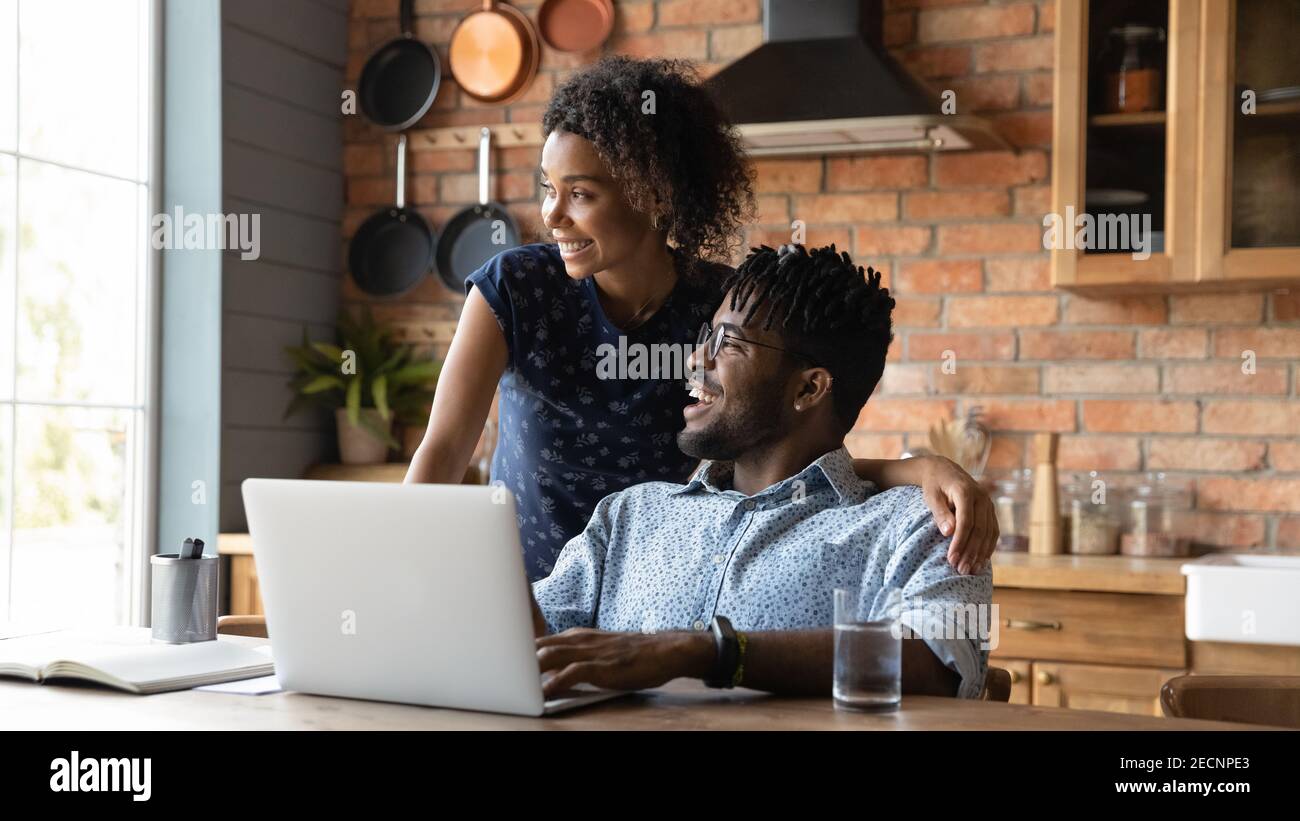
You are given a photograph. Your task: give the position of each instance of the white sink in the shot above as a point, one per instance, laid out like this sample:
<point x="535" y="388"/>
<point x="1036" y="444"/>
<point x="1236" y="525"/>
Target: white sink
<point x="1244" y="599"/>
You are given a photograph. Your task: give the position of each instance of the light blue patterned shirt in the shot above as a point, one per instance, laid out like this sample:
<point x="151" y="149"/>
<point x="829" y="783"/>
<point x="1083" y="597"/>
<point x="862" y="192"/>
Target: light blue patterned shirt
<point x="661" y="556"/>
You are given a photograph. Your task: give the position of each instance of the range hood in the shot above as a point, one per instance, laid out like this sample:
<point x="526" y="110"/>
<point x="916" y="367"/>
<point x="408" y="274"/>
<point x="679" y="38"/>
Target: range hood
<point x="823" y="83"/>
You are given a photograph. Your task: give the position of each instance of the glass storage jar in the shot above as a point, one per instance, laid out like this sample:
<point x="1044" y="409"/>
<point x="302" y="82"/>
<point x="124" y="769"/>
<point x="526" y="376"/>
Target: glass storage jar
<point x="1158" y="518"/>
<point x="1094" y="518"/>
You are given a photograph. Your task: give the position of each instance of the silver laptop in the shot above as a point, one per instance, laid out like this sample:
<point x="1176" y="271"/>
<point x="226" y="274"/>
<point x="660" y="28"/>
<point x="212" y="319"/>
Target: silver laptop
<point x="407" y="593"/>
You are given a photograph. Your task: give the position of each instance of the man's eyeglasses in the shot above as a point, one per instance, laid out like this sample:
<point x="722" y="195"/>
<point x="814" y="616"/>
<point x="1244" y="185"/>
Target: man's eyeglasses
<point x="714" y="341"/>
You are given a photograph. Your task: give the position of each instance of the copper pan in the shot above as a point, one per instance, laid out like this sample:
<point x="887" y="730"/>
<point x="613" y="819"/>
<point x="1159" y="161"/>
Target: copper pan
<point x="495" y="52"/>
<point x="575" y="25"/>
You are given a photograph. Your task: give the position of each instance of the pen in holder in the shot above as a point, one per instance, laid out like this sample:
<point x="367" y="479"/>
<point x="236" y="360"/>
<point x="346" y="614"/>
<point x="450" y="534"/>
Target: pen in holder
<point x="184" y="596"/>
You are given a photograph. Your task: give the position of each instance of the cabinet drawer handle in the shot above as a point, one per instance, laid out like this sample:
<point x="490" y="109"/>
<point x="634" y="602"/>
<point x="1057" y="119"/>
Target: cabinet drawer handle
<point x="1045" y="677"/>
<point x="1026" y="624"/>
<point x="1015" y="676"/>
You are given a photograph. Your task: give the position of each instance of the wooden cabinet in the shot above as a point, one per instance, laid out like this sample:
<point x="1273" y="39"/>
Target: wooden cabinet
<point x="1203" y="174"/>
<point x="1089" y="650"/>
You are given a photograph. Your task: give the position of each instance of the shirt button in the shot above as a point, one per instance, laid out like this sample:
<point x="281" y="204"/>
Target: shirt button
<point x="698" y="625"/>
<point x="750" y="505"/>
<point x="717" y="558"/>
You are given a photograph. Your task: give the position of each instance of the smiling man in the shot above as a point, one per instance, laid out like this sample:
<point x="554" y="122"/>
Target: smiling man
<point x="729" y="577"/>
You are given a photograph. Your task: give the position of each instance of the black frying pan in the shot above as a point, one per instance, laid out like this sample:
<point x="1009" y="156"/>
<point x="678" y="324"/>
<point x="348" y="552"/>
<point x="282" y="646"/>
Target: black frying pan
<point x="478" y="233"/>
<point x="400" y="80"/>
<point x="393" y="248"/>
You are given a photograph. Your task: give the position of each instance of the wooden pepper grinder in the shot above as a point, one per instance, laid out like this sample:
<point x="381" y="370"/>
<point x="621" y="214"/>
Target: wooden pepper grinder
<point x="1045" y="508"/>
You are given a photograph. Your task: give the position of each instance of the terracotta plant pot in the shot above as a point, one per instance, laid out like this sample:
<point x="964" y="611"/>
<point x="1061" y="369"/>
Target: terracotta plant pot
<point x="358" y="446"/>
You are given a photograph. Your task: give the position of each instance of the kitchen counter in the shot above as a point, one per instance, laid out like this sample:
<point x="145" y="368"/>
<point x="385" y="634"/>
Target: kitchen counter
<point x="680" y="705"/>
<point x="1102" y="574"/>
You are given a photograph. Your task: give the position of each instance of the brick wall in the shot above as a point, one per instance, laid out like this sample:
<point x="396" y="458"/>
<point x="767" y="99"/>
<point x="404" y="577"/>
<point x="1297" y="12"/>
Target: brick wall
<point x="1131" y="384"/>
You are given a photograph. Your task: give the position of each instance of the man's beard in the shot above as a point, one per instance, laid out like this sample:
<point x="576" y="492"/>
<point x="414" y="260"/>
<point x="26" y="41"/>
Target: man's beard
<point x="749" y="423"/>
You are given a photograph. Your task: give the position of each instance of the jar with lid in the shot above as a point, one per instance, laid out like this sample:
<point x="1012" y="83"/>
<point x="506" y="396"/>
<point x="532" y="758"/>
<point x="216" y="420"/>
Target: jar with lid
<point x="1011" y="502"/>
<point x="1158" y="517"/>
<point x="1132" y="63"/>
<point x="1093" y="517"/>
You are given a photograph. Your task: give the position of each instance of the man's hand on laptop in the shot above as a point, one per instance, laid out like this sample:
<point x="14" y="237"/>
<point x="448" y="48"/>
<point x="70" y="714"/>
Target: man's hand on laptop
<point x="622" y="661"/>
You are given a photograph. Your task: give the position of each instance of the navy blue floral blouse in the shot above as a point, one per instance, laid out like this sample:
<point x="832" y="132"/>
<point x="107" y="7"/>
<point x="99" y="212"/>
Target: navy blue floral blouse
<point x="583" y="413"/>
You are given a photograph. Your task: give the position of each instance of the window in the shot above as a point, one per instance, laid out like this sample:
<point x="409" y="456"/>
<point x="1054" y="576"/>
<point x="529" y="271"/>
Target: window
<point x="76" y="317"/>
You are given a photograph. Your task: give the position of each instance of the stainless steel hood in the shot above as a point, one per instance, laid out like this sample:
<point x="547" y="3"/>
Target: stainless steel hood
<point x="823" y="83"/>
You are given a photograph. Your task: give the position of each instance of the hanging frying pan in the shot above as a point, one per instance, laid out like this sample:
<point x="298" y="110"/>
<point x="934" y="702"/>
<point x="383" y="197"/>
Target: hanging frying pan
<point x="478" y="233"/>
<point x="392" y="249"/>
<point x="400" y="81"/>
<point x="575" y="25"/>
<point x="495" y="52"/>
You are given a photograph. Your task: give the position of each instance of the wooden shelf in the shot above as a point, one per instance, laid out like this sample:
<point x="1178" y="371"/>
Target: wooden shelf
<point x="1281" y="109"/>
<point x="1134" y="118"/>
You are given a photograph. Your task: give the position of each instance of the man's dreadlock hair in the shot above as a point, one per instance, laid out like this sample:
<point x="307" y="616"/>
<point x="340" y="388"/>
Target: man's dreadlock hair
<point x="826" y="307"/>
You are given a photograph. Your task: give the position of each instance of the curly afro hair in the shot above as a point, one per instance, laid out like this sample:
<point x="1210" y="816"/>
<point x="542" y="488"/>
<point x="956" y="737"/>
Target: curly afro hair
<point x="683" y="163"/>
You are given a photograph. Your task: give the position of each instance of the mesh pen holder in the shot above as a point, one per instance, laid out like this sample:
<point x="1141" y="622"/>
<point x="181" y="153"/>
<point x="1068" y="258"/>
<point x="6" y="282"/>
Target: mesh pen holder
<point x="184" y="598"/>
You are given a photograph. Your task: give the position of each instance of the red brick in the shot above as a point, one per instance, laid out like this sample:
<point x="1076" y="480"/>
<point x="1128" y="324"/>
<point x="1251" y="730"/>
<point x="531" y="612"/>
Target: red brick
<point x="1224" y="493"/>
<point x="1047" y="16"/>
<point x="989" y="238"/>
<point x="369" y="191"/>
<point x="1286" y="306"/>
<point x="985" y="168"/>
<point x="732" y="42"/>
<point x="1038" y="89"/>
<point x="873" y="446"/>
<point x="1059" y="345"/>
<point x="701" y="12"/>
<point x="1019" y="55"/>
<point x="1059" y="379"/>
<point x="899" y="5"/>
<point x="916" y="312"/>
<point x="936" y="205"/>
<point x="904" y="414"/>
<point x="1001" y="311"/>
<point x="1138" y="310"/>
<point x="964" y="346"/>
<point x="1216" y="308"/>
<point x="1204" y="453"/>
<point x="1288" y="532"/>
<point x="1089" y="452"/>
<point x="814" y="236"/>
<point x="899" y="29"/>
<point x="631" y="18"/>
<point x="939" y="276"/>
<point x="772" y="208"/>
<point x="1025" y="129"/>
<point x="1284" y="455"/>
<point x="1032" y="200"/>
<point x="1267" y="343"/>
<point x="868" y="173"/>
<point x="1131" y="416"/>
<point x="1225" y="378"/>
<point x="1007" y="452"/>
<point x="935" y="62"/>
<point x="980" y="379"/>
<point x="1173" y="343"/>
<point x="1227" y="529"/>
<point x="366" y="159"/>
<point x="905" y="379"/>
<point x="1018" y="274"/>
<point x="1272" y="417"/>
<point x="1029" y="414"/>
<point x="975" y="23"/>
<point x="812" y="208"/>
<point x="986" y="93"/>
<point x="787" y="175"/>
<point x="872" y="240"/>
<point x="686" y="43"/>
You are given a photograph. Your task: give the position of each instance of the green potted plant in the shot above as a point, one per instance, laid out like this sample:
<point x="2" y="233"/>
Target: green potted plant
<point x="367" y="379"/>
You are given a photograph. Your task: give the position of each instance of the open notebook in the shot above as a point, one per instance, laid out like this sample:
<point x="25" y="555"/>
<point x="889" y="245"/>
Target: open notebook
<point x="127" y="658"/>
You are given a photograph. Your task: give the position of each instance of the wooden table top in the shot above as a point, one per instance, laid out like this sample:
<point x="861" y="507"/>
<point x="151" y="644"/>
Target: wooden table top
<point x="679" y="705"/>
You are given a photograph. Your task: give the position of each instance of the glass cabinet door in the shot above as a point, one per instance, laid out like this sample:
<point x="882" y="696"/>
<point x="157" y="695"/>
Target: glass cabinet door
<point x="1251" y="151"/>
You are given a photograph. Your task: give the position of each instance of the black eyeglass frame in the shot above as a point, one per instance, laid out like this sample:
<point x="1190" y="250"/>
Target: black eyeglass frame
<point x="728" y="331"/>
